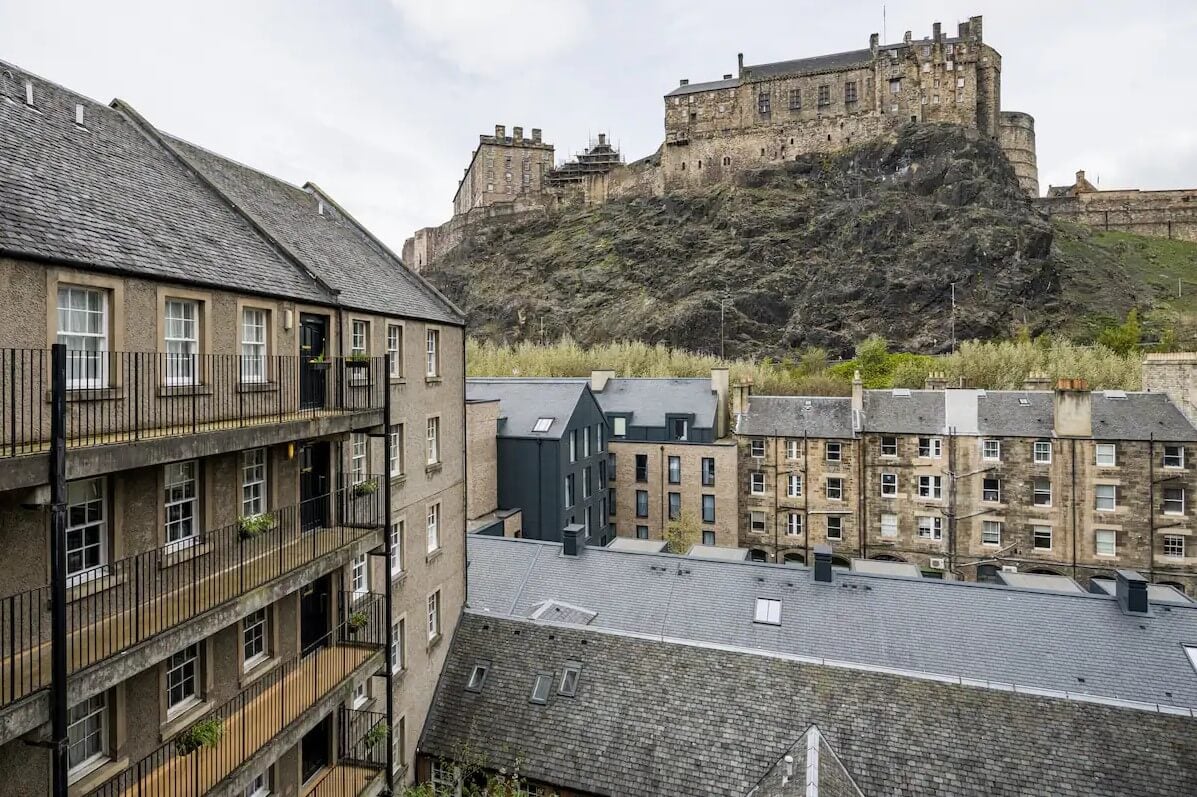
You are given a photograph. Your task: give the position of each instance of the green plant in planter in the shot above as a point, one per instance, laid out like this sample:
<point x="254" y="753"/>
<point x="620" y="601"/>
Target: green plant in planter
<point x="377" y="734"/>
<point x="357" y="357"/>
<point x="357" y="621"/>
<point x="205" y="733"/>
<point x="253" y="525"/>
<point x="368" y="487"/>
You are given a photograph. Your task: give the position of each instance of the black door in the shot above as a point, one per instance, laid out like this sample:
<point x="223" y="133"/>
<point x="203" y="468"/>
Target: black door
<point x="313" y="374"/>
<point x="315" y="749"/>
<point x="315" y="503"/>
<point x="315" y="611"/>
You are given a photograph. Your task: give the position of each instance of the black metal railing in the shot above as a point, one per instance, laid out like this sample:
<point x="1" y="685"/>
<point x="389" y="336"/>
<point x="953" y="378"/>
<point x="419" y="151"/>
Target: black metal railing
<point x="364" y="737"/>
<point x="345" y="780"/>
<point x="121" y="397"/>
<point x="128" y="601"/>
<point x="255" y="716"/>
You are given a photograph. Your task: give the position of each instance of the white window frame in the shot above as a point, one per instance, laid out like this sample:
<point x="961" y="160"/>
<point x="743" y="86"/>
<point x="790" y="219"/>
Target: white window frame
<point x="932" y="529"/>
<point x="256" y="624"/>
<point x="991" y="533"/>
<point x="181" y="339"/>
<point x="359" y="450"/>
<point x="934" y="448"/>
<point x="1043" y="452"/>
<point x="434" y="615"/>
<point x="90" y="717"/>
<point x="253" y="481"/>
<point x="1178" y="460"/>
<point x="398" y="529"/>
<point x="432" y="363"/>
<point x="755" y="446"/>
<point x="767" y="611"/>
<point x="433" y="527"/>
<point x="359" y="575"/>
<point x="399" y="645"/>
<point x="1176" y="542"/>
<point x="1098" y="535"/>
<point x="1112" y="498"/>
<point x="434" y="440"/>
<point x="86" y="346"/>
<point x="756" y="483"/>
<point x="794" y="524"/>
<point x="1037" y="530"/>
<point x="889" y="485"/>
<point x="253" y="345"/>
<point x="395" y="350"/>
<point x="188" y="659"/>
<point x="1165" y="501"/>
<point x="838" y="493"/>
<point x="893" y="448"/>
<point x="177" y="477"/>
<point x="930" y="488"/>
<point x="991" y="450"/>
<point x="261" y="784"/>
<point x="889" y="525"/>
<point x="792" y="450"/>
<point x="838" y="534"/>
<point x="397" y="458"/>
<point x="753" y="518"/>
<point x="1110" y="452"/>
<point x="542" y="424"/>
<point x="359" y="336"/>
<point x="94" y="520"/>
<point x="1037" y="493"/>
<point x="997" y="491"/>
<point x="833" y="451"/>
<point x="794" y="485"/>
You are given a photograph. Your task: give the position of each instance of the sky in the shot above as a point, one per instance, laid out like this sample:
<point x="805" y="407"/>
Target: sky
<point x="380" y="102"/>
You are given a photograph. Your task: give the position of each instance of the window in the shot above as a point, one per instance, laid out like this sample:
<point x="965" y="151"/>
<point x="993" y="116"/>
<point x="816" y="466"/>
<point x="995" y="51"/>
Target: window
<point x="895" y="85"/>
<point x="889" y="525"/>
<point x="1042" y="491"/>
<point x="835" y="489"/>
<point x="359" y="337"/>
<point x="87" y="734"/>
<point x="756" y="522"/>
<point x="434" y="527"/>
<point x="675" y="506"/>
<point x="573" y="445"/>
<point x="86" y="530"/>
<point x="586" y="482"/>
<point x="991" y="532"/>
<point x="434" y="615"/>
<point x="540" y="689"/>
<point x="399" y="646"/>
<point x="397" y="530"/>
<point x="679" y="428"/>
<point x="1174" y="456"/>
<point x="850" y="91"/>
<point x="598" y="436"/>
<point x="434" y="441"/>
<point x="708" y="509"/>
<point x="930" y="447"/>
<point x="182" y="505"/>
<point x="1041" y="537"/>
<point x="762" y="103"/>
<point x="361" y="694"/>
<point x="794" y="485"/>
<point x="253" y="482"/>
<point x="1174" y="546"/>
<point x="757" y="448"/>
<point x="642" y="532"/>
<point x="254" y="639"/>
<point x="991" y="490"/>
<point x="1043" y="452"/>
<point x="795" y="99"/>
<point x="708" y="472"/>
<point x="1106" y="542"/>
<point x="585" y="441"/>
<point x="675" y="470"/>
<point x="768" y="611"/>
<point x="182" y="679"/>
<point x="83" y="329"/>
<point x="1106" y="496"/>
<point x="756" y="483"/>
<point x="182" y="341"/>
<point x="619" y="427"/>
<point x="1174" y="500"/>
<point x="358" y="447"/>
<point x="889" y="446"/>
<point x="397" y="458"/>
<point x="889" y="485"/>
<point x="432" y="349"/>
<point x="832" y="452"/>
<point x="931" y="487"/>
<point x="642" y="503"/>
<point x="794" y="523"/>
<point x="542" y="424"/>
<point x="835" y="527"/>
<point x="359" y="575"/>
<point x="569" y="490"/>
<point x="259" y="786"/>
<point x="824" y="95"/>
<point x="792" y="449"/>
<point x="1107" y="455"/>
<point x="930" y="527"/>
<point x="477" y="676"/>
<point x="570" y="674"/>
<point x="253" y="345"/>
<point x="399" y="744"/>
<point x="991" y="450"/>
<point x="395" y="350"/>
<point x="708" y="537"/>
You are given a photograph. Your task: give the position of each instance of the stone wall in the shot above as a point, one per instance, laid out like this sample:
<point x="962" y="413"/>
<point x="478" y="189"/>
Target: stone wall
<point x="432" y="243"/>
<point x="1016" y="134"/>
<point x="503" y="168"/>
<point x="1161" y="214"/>
<point x="1175" y="374"/>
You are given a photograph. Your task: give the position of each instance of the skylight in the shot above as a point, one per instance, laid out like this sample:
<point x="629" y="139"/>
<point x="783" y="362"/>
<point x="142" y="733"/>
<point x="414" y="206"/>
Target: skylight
<point x="478" y="676"/>
<point x="901" y="392"/>
<point x="569" y="679"/>
<point x="1115" y="394"/>
<point x="542" y="424"/>
<point x="1191" y="652"/>
<point x="768" y="611"/>
<point x="1024" y="401"/>
<point x="540" y="689"/>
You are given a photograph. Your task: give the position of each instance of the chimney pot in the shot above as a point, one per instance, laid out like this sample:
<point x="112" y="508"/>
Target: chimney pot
<point x="517" y="133"/>
<point x="29" y="92"/>
<point x="740" y="63"/>
<point x="536" y="135"/>
<point x="602" y="139"/>
<point x="936" y="31"/>
<point x="823" y="563"/>
<point x="684" y="82"/>
<point x="500" y="133"/>
<point x="874" y="39"/>
<point x="599" y="379"/>
<point x="1132" y="592"/>
<point x="573" y="539"/>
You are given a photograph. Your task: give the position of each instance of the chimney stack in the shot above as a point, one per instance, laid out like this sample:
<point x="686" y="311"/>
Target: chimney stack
<point x="517" y="134"/>
<point x="823" y="563"/>
<point x="599" y="379"/>
<point x="536" y="135"/>
<point x="873" y="41"/>
<point x="573" y="539"/>
<point x="1037" y="381"/>
<point x="936" y="380"/>
<point x="500" y="133"/>
<point x="937" y="32"/>
<point x="740" y="63"/>
<point x="906" y="37"/>
<point x="857" y="392"/>
<point x="720" y="382"/>
<point x="1132" y="592"/>
<point x="741" y="394"/>
<point x="602" y="139"/>
<point x="1073" y="408"/>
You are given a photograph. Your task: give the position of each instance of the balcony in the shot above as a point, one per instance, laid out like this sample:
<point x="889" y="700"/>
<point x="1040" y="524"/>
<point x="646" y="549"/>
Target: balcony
<point x="272" y="709"/>
<point x="118" y="398"/>
<point x="130" y="601"/>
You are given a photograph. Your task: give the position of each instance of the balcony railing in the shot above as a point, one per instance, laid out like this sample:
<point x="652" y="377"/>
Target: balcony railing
<point x="123" y="603"/>
<point x="122" y="397"/>
<point x="258" y="714"/>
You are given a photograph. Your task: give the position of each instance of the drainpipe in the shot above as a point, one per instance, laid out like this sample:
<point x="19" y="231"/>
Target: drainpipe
<point x="389" y="598"/>
<point x="664" y="517"/>
<point x="776" y="471"/>
<point x="952" y="500"/>
<point x="540" y="489"/>
<point x="1151" y="508"/>
<point x="58" y="619"/>
<point x="1072" y="467"/>
<point x="805" y="503"/>
<point x="861" y="499"/>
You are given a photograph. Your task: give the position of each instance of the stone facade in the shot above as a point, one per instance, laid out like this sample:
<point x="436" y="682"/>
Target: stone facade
<point x="503" y="168"/>
<point x="1160" y="214"/>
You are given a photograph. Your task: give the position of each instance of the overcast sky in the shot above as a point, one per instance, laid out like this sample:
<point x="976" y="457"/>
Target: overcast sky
<point x="380" y="102"/>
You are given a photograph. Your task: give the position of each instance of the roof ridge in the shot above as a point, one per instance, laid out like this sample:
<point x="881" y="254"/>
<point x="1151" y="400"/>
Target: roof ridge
<point x="11" y="67"/>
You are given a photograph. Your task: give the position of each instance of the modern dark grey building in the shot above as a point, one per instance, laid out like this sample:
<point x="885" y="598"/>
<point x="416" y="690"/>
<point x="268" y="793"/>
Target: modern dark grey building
<point x="552" y="460"/>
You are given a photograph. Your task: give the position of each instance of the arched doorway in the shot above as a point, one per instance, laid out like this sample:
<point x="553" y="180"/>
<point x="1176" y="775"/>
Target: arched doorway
<point x="839" y="561"/>
<point x="792" y="559"/>
<point x="757" y="555"/>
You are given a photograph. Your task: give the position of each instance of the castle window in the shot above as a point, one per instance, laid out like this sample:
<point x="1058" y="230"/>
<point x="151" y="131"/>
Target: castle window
<point x="959" y="82"/>
<point x="683" y="166"/>
<point x="926" y="50"/>
<point x="850" y="91"/>
<point x="762" y="152"/>
<point x="895" y="85"/>
<point x="824" y="95"/>
<point x="726" y="161"/>
<point x="762" y="103"/>
<point x="700" y="164"/>
<point x="795" y="99"/>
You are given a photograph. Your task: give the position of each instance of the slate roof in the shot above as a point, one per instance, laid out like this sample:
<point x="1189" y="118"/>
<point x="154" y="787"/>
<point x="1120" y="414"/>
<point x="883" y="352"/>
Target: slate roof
<point x="920" y="412"/>
<point x="1139" y="417"/>
<point x="710" y="85"/>
<point x="649" y="399"/>
<point x="983" y="632"/>
<point x="791" y="416"/>
<point x="523" y="401"/>
<point x="114" y="194"/>
<point x="666" y="718"/>
<point x="807" y="66"/>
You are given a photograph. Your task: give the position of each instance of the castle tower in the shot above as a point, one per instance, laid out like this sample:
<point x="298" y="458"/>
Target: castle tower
<point x="1016" y="134"/>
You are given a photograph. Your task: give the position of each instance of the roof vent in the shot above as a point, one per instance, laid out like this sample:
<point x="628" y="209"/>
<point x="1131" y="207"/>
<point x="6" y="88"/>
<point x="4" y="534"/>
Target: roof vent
<point x="573" y="539"/>
<point x="320" y="206"/>
<point x="79" y="114"/>
<point x="823" y="563"/>
<point x="1131" y="590"/>
<point x="1115" y="394"/>
<point x="901" y="392"/>
<point x="29" y="92"/>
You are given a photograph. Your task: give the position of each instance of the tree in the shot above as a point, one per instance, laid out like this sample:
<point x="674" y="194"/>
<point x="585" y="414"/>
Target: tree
<point x="1123" y="338"/>
<point x="873" y="361"/>
<point x="681" y="534"/>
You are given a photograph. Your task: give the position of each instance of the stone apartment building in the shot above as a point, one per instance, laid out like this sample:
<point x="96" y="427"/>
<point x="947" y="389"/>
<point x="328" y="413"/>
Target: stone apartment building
<point x="250" y="541"/>
<point x="967" y="483"/>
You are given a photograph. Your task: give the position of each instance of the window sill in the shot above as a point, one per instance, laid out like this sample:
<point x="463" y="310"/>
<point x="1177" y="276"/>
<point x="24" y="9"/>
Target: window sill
<point x="434" y="641"/>
<point x="182" y="717"/>
<point x="397" y="380"/>
<point x="260" y="668"/>
<point x="399" y="481"/>
<point x="83" y="394"/>
<point x="93" y="586"/>
<point x="433" y="555"/>
<point x="181" y="555"/>
<point x="89" y="779"/>
<point x="257" y="387"/>
<point x="167" y="391"/>
<point x="432" y="380"/>
<point x="397" y="578"/>
<point x="433" y="468"/>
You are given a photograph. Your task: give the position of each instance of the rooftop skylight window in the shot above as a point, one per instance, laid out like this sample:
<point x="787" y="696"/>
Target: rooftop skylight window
<point x="540" y="689"/>
<point x="542" y="424"/>
<point x="1116" y="394"/>
<point x="1191" y="652"/>
<point x="478" y="676"/>
<point x="569" y="679"/>
<point x="768" y="611"/>
<point x="1024" y="401"/>
<point x="901" y="392"/>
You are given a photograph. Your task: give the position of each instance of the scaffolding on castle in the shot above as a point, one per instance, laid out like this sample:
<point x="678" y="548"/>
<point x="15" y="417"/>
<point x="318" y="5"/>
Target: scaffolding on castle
<point x="599" y="158"/>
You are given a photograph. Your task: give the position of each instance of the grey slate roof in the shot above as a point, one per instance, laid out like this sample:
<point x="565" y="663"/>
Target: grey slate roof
<point x="648" y="399"/>
<point x="662" y="718"/>
<point x="990" y="633"/>
<point x="710" y="85"/>
<point x="807" y="66"/>
<point x="922" y="412"/>
<point x="523" y="401"/>
<point x="108" y="195"/>
<point x="1139" y="417"/>
<point x="791" y="416"/>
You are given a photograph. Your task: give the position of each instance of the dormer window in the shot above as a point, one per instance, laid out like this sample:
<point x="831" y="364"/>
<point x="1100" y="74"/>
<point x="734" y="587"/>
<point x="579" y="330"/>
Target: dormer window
<point x="768" y="611"/>
<point x="679" y="428"/>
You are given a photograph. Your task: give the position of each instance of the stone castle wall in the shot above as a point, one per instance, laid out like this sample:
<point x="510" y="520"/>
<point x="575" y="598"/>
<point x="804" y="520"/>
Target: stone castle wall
<point x="1161" y="214"/>
<point x="1016" y="134"/>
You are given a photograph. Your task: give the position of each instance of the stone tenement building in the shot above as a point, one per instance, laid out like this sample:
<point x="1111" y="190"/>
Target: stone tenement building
<point x="250" y="543"/>
<point x="773" y="112"/>
<point x="1161" y="214"/>
<point x="972" y="482"/>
